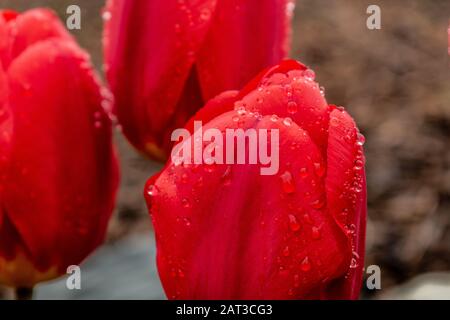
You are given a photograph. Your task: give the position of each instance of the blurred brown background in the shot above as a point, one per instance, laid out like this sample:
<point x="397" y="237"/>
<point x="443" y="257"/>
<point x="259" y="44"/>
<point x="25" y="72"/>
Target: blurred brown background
<point x="396" y="84"/>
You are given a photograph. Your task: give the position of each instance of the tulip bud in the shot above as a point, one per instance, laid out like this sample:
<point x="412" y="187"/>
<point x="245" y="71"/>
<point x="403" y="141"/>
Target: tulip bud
<point x="226" y="231"/>
<point x="58" y="170"/>
<point x="166" y="58"/>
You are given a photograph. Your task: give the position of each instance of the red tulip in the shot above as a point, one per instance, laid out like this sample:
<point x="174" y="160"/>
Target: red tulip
<point x="166" y="58"/>
<point x="58" y="171"/>
<point x="224" y="231"/>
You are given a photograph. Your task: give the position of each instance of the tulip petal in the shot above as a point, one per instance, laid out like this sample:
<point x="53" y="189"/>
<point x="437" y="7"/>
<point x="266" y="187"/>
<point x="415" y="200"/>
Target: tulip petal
<point x="5" y="122"/>
<point x="60" y="131"/>
<point x="147" y="91"/>
<point x="256" y="238"/>
<point x="31" y="27"/>
<point x="286" y="90"/>
<point x="346" y="195"/>
<point x="240" y="29"/>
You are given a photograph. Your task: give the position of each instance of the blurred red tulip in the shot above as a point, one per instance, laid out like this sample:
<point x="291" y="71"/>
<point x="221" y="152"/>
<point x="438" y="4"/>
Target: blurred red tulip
<point x="224" y="231"/>
<point x="58" y="171"/>
<point x="166" y="58"/>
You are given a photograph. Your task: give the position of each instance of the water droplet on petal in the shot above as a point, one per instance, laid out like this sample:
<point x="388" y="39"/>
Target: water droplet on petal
<point x="187" y="222"/>
<point x="354" y="263"/>
<point x="274" y="118"/>
<point x="309" y="75"/>
<point x="293" y="223"/>
<point x="292" y="107"/>
<point x="240" y="108"/>
<point x="303" y="172"/>
<point x="334" y="122"/>
<point x="359" y="164"/>
<point x="185" y="203"/>
<point x="152" y="190"/>
<point x="106" y="15"/>
<point x="305" y="266"/>
<point x="315" y="233"/>
<point x="317" y="204"/>
<point x="205" y="14"/>
<point x="319" y="169"/>
<point x="287" y="182"/>
<point x="322" y="91"/>
<point x="360" y="139"/>
<point x="287" y="122"/>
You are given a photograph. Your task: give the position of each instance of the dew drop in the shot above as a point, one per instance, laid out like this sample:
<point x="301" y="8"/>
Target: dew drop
<point x="334" y="122"/>
<point x="315" y="233"/>
<point x="287" y="182"/>
<point x="287" y="122"/>
<point x="106" y="15"/>
<point x="317" y="204"/>
<point x="205" y="14"/>
<point x="293" y="223"/>
<point x="303" y="172"/>
<point x="350" y="229"/>
<point x="187" y="222"/>
<point x="286" y="251"/>
<point x="319" y="169"/>
<point x="292" y="107"/>
<point x="307" y="218"/>
<point x="354" y="263"/>
<point x="359" y="164"/>
<point x="274" y="118"/>
<point x="309" y="75"/>
<point x="360" y="139"/>
<point x="152" y="190"/>
<point x="241" y="110"/>
<point x="322" y="91"/>
<point x="185" y="203"/>
<point x="305" y="266"/>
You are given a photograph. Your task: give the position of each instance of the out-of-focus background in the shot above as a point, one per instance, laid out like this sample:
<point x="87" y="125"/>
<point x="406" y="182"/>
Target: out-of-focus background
<point x="396" y="84"/>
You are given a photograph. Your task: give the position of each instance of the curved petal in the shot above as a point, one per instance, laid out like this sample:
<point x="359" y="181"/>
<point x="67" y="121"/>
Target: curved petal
<point x="227" y="59"/>
<point x="60" y="131"/>
<point x="272" y="234"/>
<point x="286" y="90"/>
<point x="5" y="124"/>
<point x="346" y="196"/>
<point x="150" y="49"/>
<point x="29" y="28"/>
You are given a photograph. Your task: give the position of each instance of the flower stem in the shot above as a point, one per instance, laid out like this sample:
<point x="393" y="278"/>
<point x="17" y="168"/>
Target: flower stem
<point x="24" y="293"/>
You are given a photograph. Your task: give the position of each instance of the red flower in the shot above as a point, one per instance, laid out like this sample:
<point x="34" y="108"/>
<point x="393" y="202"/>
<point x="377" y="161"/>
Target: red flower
<point x="225" y="231"/>
<point x="58" y="172"/>
<point x="165" y="58"/>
